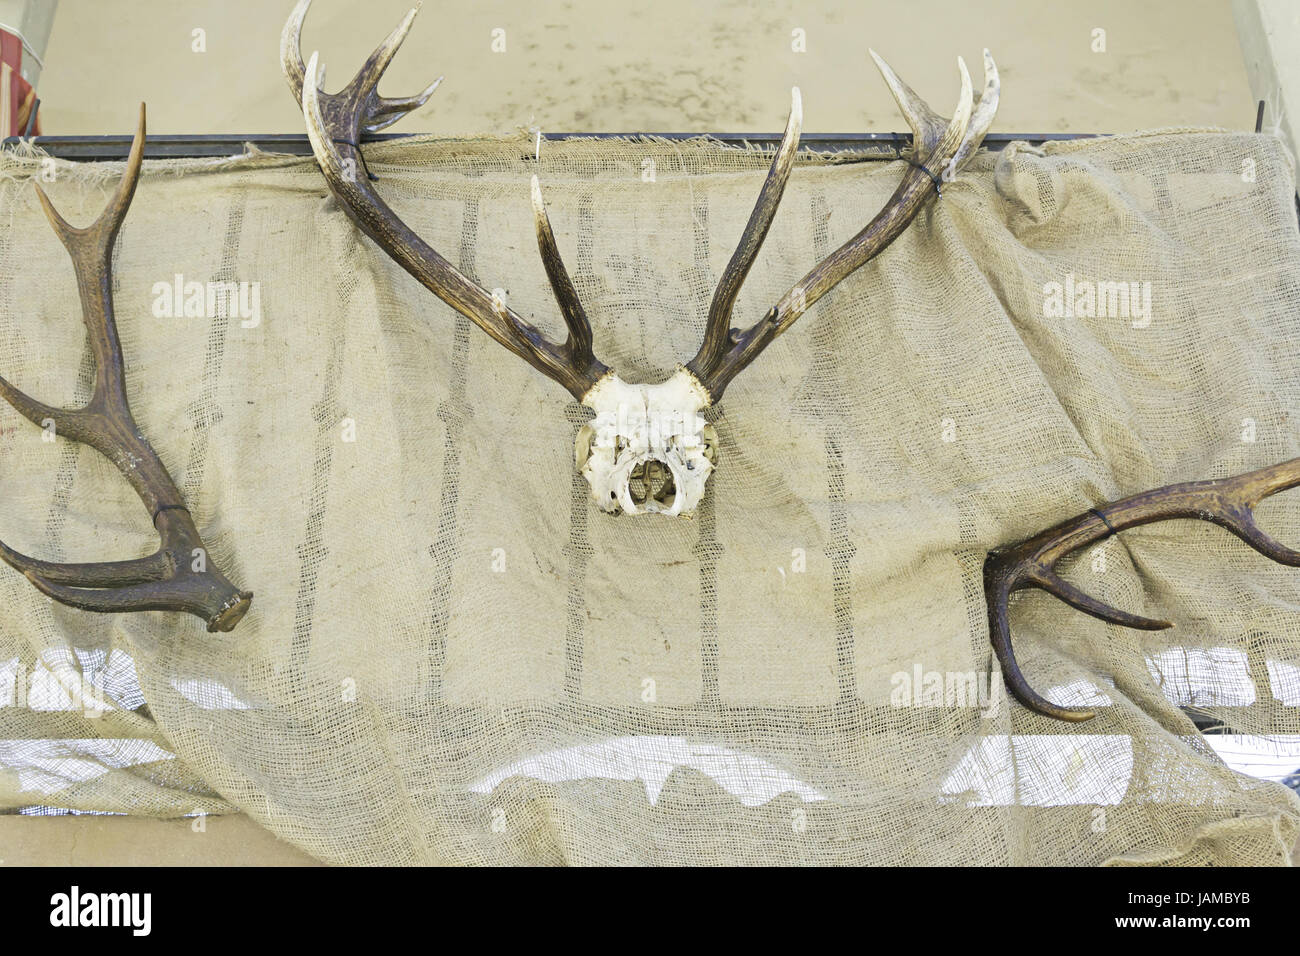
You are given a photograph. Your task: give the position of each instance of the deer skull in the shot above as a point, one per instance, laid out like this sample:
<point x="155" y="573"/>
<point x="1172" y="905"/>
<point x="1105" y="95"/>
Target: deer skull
<point x="648" y="450"/>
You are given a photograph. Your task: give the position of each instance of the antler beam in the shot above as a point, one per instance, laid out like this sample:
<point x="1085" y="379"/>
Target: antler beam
<point x="335" y="122"/>
<point x="180" y="575"/>
<point x="1227" y="502"/>
<point x="939" y="150"/>
<point x="648" y="448"/>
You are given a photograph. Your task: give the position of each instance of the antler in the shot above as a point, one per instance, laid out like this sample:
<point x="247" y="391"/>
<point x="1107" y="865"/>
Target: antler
<point x="939" y="150"/>
<point x="648" y="449"/>
<point x="1227" y="502"/>
<point x="166" y="580"/>
<point x="334" y="121"/>
<point x="334" y="124"/>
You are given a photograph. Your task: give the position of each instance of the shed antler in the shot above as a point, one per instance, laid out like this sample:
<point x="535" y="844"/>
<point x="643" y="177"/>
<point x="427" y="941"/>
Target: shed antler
<point x="648" y="449"/>
<point x="1227" y="502"/>
<point x="180" y="575"/>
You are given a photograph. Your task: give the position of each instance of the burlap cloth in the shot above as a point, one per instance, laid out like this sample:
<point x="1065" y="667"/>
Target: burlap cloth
<point x="453" y="657"/>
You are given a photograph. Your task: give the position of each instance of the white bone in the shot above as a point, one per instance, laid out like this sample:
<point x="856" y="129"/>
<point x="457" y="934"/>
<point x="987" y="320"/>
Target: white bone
<point x="635" y="424"/>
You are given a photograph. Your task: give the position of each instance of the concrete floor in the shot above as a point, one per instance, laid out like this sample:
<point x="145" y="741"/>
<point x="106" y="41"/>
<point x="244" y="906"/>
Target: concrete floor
<point x="593" y="65"/>
<point x="134" y="841"/>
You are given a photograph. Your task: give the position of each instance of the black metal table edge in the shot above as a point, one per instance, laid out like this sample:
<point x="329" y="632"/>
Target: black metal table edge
<point x="116" y="147"/>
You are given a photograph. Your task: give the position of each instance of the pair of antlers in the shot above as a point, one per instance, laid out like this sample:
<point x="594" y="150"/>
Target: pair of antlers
<point x="335" y="122"/>
<point x="180" y="575"/>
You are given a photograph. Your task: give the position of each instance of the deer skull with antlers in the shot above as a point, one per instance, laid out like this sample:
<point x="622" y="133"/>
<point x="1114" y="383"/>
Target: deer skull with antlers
<point x="648" y="449"/>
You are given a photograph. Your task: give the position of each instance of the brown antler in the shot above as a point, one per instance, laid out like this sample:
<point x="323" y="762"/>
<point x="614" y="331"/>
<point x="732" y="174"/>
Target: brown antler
<point x="179" y="576"/>
<point x="334" y="121"/>
<point x="939" y="150"/>
<point x="1227" y="502"/>
<point x="334" y="124"/>
<point x="647" y="449"/>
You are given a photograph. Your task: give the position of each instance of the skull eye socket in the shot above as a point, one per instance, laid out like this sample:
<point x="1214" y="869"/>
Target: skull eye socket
<point x="709" y="439"/>
<point x="582" y="445"/>
<point x="652" y="479"/>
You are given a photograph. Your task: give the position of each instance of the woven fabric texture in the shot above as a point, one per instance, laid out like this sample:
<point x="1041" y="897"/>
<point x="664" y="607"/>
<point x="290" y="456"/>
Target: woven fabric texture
<point x="452" y="656"/>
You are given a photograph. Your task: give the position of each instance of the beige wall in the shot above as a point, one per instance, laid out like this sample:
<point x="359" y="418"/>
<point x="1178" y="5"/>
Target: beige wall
<point x="692" y="65"/>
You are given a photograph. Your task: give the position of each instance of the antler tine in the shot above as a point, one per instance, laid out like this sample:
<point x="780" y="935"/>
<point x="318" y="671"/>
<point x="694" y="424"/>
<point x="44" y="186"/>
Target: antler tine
<point x="179" y="576"/>
<point x="982" y="116"/>
<point x="99" y="574"/>
<point x="575" y="316"/>
<point x="937" y="142"/>
<point x="178" y="593"/>
<point x="333" y="123"/>
<point x="103" y="231"/>
<point x="368" y="111"/>
<point x="390" y="110"/>
<point x="1048" y="580"/>
<point x="997" y="596"/>
<point x="717" y="332"/>
<point x="295" y="70"/>
<point x="1227" y="502"/>
<point x="68" y="422"/>
<point x="91" y="249"/>
<point x="927" y="126"/>
<point x="1243" y="494"/>
<point x="373" y="69"/>
<point x="386" y="112"/>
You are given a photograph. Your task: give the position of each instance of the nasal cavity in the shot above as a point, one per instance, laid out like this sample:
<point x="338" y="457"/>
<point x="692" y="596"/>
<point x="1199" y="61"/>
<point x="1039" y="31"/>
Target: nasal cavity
<point x="652" y="479"/>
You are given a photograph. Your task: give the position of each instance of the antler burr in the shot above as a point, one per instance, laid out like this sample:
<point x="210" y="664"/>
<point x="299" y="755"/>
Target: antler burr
<point x="1227" y="502"/>
<point x="180" y="575"/>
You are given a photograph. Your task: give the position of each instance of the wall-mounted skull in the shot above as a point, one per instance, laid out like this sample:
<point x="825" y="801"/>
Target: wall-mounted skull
<point x="648" y="449"/>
